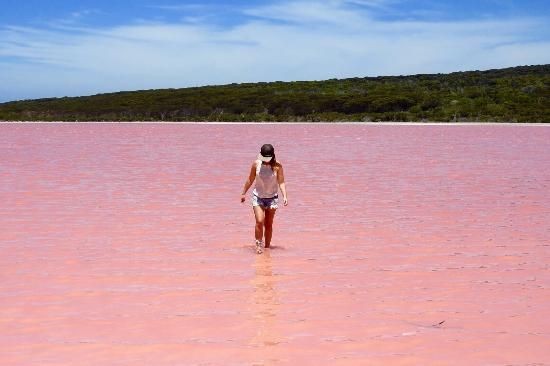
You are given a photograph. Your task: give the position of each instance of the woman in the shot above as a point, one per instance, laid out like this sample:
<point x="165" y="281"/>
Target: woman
<point x="268" y="173"/>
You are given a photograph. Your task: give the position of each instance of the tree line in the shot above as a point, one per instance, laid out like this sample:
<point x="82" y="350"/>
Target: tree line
<point x="518" y="94"/>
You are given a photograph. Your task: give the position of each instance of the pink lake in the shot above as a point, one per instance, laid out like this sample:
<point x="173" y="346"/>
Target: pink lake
<point x="127" y="244"/>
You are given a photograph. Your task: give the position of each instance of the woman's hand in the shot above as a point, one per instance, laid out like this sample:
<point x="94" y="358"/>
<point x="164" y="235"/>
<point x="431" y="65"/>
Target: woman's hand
<point x="285" y="201"/>
<point x="243" y="198"/>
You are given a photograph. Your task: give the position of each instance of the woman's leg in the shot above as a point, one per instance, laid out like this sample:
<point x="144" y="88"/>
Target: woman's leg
<point x="259" y="214"/>
<point x="269" y="216"/>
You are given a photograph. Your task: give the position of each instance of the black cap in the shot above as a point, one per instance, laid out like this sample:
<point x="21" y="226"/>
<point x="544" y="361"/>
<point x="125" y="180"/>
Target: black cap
<point x="267" y="150"/>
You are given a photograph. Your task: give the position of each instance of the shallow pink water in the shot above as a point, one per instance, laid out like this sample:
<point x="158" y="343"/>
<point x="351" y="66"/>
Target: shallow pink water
<point x="126" y="244"/>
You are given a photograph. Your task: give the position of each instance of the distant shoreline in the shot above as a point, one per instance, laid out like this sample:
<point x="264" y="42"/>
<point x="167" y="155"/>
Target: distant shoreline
<point x="291" y="123"/>
<point x="517" y="94"/>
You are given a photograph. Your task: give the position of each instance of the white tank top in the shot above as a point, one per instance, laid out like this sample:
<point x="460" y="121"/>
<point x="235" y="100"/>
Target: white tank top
<point x="266" y="181"/>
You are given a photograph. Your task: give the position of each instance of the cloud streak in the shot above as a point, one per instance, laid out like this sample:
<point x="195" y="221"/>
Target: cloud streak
<point x="297" y="40"/>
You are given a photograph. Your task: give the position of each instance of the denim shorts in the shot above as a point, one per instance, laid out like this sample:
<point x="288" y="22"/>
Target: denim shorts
<point x="272" y="203"/>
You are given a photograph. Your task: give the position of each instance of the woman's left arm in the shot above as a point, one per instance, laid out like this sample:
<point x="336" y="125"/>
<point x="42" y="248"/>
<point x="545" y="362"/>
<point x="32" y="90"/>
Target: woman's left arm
<point x="281" y="181"/>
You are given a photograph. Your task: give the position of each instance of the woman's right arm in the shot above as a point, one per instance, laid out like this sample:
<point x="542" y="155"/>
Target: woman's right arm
<point x="249" y="181"/>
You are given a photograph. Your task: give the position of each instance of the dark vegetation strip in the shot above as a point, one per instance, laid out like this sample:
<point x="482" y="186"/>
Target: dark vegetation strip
<point x="518" y="94"/>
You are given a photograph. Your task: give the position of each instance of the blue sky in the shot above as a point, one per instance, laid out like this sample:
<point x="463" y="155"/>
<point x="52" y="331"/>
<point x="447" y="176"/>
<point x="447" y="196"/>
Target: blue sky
<point x="68" y="48"/>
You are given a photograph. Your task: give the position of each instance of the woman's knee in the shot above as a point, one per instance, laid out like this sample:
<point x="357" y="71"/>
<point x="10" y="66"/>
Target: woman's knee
<point x="268" y="223"/>
<point x="259" y="215"/>
<point x="269" y="216"/>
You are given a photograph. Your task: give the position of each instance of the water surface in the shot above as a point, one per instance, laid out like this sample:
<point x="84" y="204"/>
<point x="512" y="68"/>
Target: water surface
<point x="127" y="244"/>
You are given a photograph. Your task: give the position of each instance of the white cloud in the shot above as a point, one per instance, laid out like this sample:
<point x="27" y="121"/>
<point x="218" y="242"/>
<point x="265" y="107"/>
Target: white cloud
<point x="307" y="12"/>
<point x="380" y="4"/>
<point x="303" y="40"/>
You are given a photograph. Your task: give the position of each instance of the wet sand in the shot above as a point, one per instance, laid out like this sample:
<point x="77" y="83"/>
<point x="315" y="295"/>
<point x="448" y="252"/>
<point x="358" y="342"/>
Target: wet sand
<point x="126" y="244"/>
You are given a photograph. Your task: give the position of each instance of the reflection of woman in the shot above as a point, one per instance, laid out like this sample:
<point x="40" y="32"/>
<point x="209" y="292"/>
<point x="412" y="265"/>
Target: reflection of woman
<point x="269" y="176"/>
<point x="265" y="306"/>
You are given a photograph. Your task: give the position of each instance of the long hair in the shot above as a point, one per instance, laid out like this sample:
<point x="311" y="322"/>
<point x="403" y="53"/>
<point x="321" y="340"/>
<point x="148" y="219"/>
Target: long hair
<point x="273" y="162"/>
